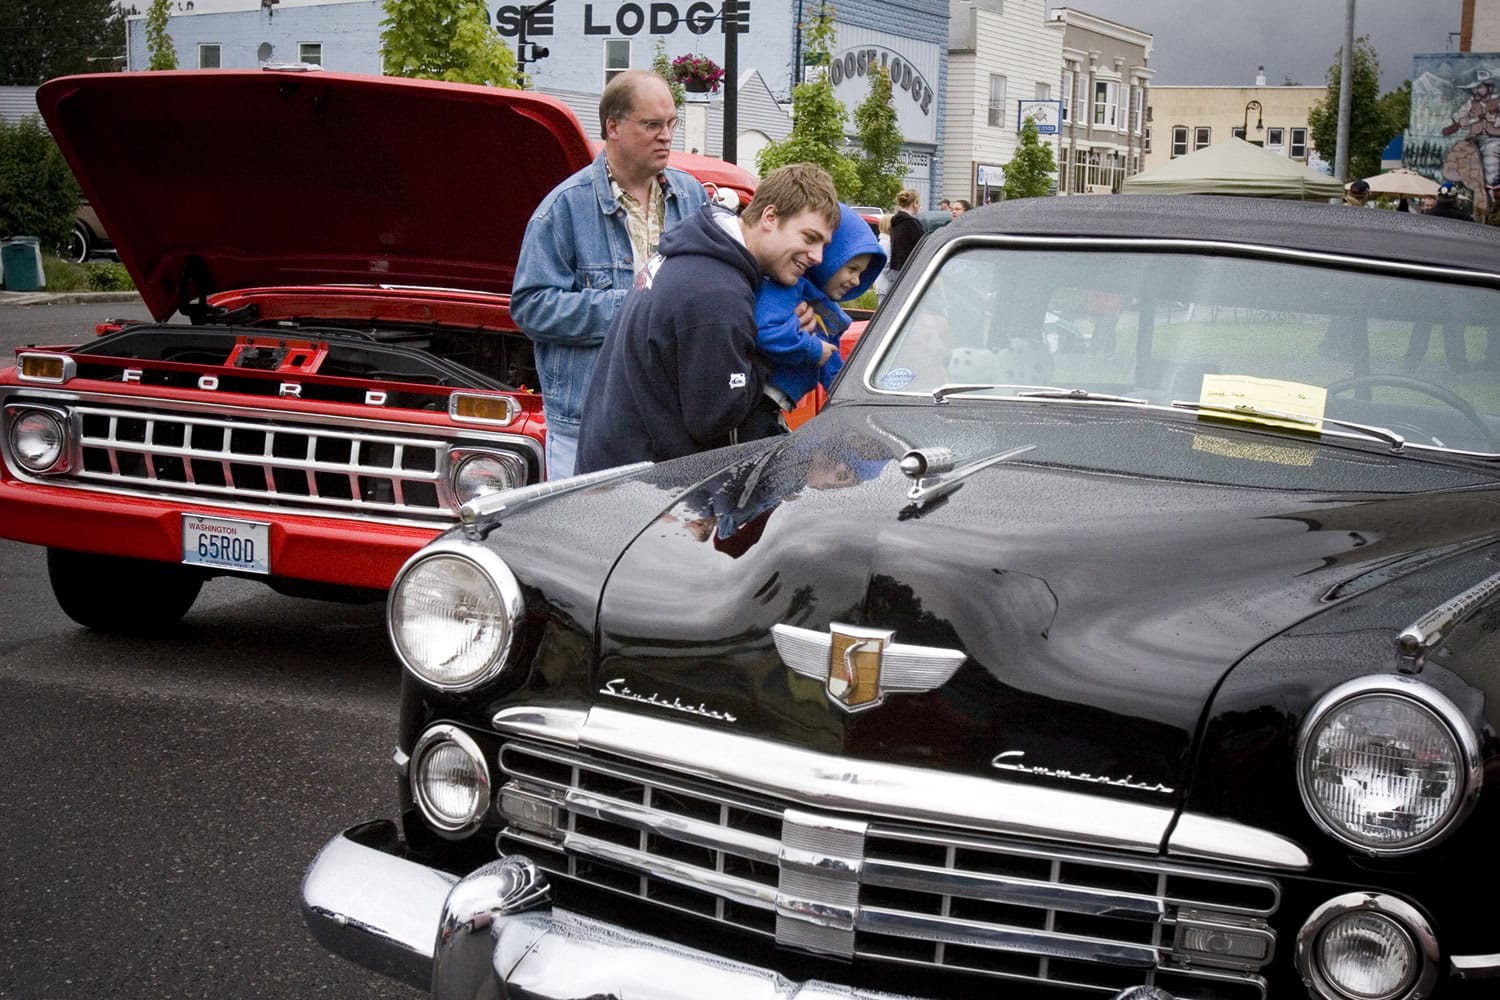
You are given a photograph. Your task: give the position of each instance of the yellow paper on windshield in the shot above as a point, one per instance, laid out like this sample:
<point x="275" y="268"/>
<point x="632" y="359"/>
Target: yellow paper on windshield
<point x="1267" y="401"/>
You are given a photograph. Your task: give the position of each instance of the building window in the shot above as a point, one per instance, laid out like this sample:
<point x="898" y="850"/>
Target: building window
<point x="310" y="53"/>
<point x="1106" y="103"/>
<point x="1179" y="140"/>
<point x="1299" y="143"/>
<point x="1146" y="141"/>
<point x="1238" y="131"/>
<point x="616" y="57"/>
<point x="1137" y="107"/>
<point x="1081" y="101"/>
<point x="1275" y="138"/>
<point x="208" y="55"/>
<point x="1202" y="136"/>
<point x="1044" y="91"/>
<point x="997" y="100"/>
<point x="1067" y="94"/>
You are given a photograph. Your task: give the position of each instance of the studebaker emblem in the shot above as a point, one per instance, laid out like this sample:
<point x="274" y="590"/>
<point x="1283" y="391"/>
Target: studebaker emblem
<point x="617" y="688"/>
<point x="859" y="667"/>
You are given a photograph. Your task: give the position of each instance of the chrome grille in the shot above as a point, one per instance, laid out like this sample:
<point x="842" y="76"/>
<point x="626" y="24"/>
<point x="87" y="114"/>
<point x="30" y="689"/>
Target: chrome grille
<point x="298" y="464"/>
<point x="857" y="887"/>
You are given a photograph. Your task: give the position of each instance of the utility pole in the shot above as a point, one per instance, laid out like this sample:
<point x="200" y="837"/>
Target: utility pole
<point x="731" y="20"/>
<point x="1346" y="96"/>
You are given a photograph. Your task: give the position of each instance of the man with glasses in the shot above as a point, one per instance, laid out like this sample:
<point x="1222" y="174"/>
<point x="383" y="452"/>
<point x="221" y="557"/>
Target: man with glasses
<point x="587" y="240"/>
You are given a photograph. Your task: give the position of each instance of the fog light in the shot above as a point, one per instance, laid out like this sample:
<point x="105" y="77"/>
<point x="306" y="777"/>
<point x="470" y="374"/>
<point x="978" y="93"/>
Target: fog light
<point x="450" y="780"/>
<point x="1366" y="946"/>
<point x="38" y="439"/>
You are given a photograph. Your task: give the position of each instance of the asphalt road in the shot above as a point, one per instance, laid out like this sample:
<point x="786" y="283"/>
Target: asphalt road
<point x="161" y="798"/>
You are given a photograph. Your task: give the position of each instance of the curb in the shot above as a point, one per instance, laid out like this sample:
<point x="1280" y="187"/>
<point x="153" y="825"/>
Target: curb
<point x="49" y="298"/>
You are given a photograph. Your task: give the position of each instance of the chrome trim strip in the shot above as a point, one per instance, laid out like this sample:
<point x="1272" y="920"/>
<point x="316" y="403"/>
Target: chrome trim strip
<point x="544" y="722"/>
<point x="673" y="826"/>
<point x="1006" y="889"/>
<point x="738" y="890"/>
<point x="912" y="794"/>
<point x="1475" y="966"/>
<point x="494" y="503"/>
<point x="1210" y="839"/>
<point x="1428" y="631"/>
<point x="949" y="930"/>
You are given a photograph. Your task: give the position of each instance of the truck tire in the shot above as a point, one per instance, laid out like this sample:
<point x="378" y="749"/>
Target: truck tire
<point x="121" y="596"/>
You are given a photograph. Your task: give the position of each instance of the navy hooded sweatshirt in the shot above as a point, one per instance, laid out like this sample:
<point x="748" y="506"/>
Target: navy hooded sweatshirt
<point x="678" y="372"/>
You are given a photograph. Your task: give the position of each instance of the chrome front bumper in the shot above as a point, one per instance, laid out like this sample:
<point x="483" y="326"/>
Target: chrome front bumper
<point x="460" y="937"/>
<point x="495" y="932"/>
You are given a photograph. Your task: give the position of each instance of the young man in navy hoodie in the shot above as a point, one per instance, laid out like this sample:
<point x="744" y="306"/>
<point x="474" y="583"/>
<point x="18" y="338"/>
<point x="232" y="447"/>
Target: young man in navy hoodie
<point x="679" y="372"/>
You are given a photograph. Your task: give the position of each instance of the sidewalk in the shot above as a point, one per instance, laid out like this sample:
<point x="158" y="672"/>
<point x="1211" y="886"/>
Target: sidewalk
<point x="44" y="297"/>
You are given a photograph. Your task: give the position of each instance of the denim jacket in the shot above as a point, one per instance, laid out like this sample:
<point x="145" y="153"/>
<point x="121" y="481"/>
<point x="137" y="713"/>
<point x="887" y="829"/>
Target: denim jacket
<point x="575" y="267"/>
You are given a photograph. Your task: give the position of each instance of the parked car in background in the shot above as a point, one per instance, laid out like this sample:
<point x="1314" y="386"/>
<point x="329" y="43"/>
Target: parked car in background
<point x="1034" y="666"/>
<point x="88" y="238"/>
<point x="351" y="374"/>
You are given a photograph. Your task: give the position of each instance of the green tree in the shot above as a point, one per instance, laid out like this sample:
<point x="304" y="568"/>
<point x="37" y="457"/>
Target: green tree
<point x="158" y="42"/>
<point x="40" y="39"/>
<point x="662" y="67"/>
<point x="445" y="40"/>
<point x="1032" y="171"/>
<point x="1371" y="124"/>
<point x="881" y="171"/>
<point x="38" y="196"/>
<point x="817" y="118"/>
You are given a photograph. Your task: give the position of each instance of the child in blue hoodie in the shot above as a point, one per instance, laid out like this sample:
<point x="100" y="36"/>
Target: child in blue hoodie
<point x="801" y="360"/>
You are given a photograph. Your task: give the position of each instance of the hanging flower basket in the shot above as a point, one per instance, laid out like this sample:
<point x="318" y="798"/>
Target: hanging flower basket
<point x="698" y="74"/>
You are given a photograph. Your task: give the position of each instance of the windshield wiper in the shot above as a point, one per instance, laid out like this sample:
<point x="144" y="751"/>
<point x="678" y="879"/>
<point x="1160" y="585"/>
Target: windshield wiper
<point x="1390" y="437"/>
<point x="942" y="392"/>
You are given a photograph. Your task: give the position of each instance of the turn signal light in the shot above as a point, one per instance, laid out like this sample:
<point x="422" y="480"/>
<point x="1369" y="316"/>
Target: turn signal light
<point x="45" y="367"/>
<point x="489" y="409"/>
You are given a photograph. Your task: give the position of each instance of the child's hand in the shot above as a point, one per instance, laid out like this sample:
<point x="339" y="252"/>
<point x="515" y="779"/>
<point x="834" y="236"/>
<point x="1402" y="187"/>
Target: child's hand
<point x="807" y="320"/>
<point x="828" y="350"/>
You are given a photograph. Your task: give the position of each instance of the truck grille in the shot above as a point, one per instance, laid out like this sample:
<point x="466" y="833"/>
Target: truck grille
<point x="853" y="887"/>
<point x="296" y="463"/>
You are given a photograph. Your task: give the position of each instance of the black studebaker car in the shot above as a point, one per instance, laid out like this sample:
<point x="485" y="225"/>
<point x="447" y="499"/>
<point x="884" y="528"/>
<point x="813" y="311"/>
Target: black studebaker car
<point x="1126" y="622"/>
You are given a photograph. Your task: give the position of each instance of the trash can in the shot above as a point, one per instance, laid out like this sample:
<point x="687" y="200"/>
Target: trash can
<point x="21" y="263"/>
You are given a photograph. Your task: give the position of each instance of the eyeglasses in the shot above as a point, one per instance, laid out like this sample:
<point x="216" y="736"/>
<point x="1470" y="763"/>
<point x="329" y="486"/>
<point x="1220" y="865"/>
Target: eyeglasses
<point x="654" y="125"/>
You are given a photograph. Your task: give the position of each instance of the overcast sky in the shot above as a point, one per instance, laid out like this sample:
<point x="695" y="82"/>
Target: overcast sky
<point x="1209" y="42"/>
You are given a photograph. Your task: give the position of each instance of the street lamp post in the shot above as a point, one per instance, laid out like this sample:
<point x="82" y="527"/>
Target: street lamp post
<point x="1260" y="124"/>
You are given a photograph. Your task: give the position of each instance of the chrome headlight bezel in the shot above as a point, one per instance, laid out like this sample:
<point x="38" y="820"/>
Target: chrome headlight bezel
<point x="1313" y="945"/>
<point x="1397" y="692"/>
<point x="502" y="596"/>
<point x="441" y="737"/>
<point x="16" y="419"/>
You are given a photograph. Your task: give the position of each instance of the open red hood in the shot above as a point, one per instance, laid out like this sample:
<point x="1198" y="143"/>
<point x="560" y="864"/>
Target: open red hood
<point x="227" y="179"/>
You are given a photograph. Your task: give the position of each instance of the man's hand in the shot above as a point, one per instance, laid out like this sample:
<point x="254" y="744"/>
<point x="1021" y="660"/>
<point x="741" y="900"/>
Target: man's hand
<point x="807" y="320"/>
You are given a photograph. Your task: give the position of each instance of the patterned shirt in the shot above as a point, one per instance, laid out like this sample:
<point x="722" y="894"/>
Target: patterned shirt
<point x="643" y="222"/>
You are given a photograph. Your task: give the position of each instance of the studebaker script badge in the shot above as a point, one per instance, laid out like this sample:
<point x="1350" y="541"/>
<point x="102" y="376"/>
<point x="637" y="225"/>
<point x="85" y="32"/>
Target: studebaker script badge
<point x="859" y="667"/>
<point x="617" y="688"/>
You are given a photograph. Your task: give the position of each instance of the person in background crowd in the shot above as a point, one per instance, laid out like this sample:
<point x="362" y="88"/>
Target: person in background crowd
<point x="945" y="205"/>
<point x="1445" y="206"/>
<point x="679" y="372"/>
<point x="906" y="231"/>
<point x="960" y="206"/>
<point x="1357" y="194"/>
<point x="1428" y="200"/>
<point x="586" y="242"/>
<point x="883" y="238"/>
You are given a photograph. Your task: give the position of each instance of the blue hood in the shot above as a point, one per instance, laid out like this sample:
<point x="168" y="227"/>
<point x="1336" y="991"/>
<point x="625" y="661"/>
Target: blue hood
<point x="851" y="238"/>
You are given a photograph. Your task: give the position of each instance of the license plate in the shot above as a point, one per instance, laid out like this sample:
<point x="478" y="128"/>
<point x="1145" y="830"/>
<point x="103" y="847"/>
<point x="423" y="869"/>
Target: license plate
<point x="223" y="543"/>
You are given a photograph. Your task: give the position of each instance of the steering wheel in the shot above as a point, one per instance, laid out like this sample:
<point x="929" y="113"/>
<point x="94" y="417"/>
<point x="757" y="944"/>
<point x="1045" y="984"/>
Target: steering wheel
<point x="1439" y="392"/>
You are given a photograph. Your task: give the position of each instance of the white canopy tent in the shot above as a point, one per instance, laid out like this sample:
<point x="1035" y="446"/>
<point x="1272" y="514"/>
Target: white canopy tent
<point x="1235" y="167"/>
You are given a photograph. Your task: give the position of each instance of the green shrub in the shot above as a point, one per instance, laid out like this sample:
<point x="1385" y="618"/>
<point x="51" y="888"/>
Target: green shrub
<point x="62" y="276"/>
<point x="107" y="276"/>
<point x="38" y="196"/>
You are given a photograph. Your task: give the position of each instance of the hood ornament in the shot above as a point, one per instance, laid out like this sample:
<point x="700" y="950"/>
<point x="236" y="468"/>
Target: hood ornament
<point x="859" y="667"/>
<point x="934" y="476"/>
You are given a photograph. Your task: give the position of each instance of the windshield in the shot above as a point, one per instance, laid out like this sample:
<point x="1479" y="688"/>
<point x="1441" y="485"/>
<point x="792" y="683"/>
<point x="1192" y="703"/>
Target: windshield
<point x="1418" y="357"/>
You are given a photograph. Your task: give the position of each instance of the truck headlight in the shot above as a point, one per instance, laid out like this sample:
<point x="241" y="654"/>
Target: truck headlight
<point x="38" y="439"/>
<point x="477" y="473"/>
<point x="450" y="781"/>
<point x="452" y="615"/>
<point x="1387" y="765"/>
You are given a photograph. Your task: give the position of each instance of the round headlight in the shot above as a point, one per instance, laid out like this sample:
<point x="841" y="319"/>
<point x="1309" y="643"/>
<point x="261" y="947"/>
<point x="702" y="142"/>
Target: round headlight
<point x="37" y="439"/>
<point x="482" y="473"/>
<point x="452" y="614"/>
<point x="1366" y="946"/>
<point x="450" y="781"/>
<point x="1387" y="765"/>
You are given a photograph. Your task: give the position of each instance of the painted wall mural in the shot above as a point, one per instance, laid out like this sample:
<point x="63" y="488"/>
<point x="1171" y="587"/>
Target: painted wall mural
<point x="1455" y="123"/>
